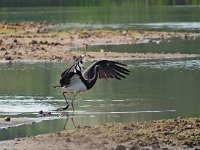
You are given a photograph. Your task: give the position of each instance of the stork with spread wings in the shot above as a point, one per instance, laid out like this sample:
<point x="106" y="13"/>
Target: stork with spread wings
<point x="74" y="81"/>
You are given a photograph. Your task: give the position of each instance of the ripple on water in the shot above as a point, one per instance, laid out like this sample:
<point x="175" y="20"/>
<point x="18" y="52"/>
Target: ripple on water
<point x="164" y="65"/>
<point x="187" y="26"/>
<point x="22" y="104"/>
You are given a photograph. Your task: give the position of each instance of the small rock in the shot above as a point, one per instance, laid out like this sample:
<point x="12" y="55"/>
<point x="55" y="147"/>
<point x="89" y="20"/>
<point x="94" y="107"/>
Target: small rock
<point x="124" y="32"/>
<point x="189" y="144"/>
<point x="8" y="58"/>
<point x="179" y="118"/>
<point x="7" y="119"/>
<point x="11" y="47"/>
<point x="78" y="126"/>
<point x="33" y="122"/>
<point x="164" y="148"/>
<point x="102" y="50"/>
<point x="45" y="42"/>
<point x="40" y="112"/>
<point x="42" y="48"/>
<point x="56" y="57"/>
<point x="41" y="42"/>
<point x="46" y="114"/>
<point x="146" y="148"/>
<point x="120" y="147"/>
<point x="197" y="121"/>
<point x="14" y="53"/>
<point x="140" y="143"/>
<point x="134" y="147"/>
<point x="33" y="42"/>
<point x="189" y="126"/>
<point x="6" y="53"/>
<point x="56" y="43"/>
<point x="15" y="41"/>
<point x="68" y="140"/>
<point x="17" y="139"/>
<point x="155" y="145"/>
<point x="104" y="142"/>
<point x="74" y="57"/>
<point x="20" y="53"/>
<point x="3" y="49"/>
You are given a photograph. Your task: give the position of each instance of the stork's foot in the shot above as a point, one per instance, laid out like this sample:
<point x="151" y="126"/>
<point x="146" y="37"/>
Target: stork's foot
<point x="62" y="108"/>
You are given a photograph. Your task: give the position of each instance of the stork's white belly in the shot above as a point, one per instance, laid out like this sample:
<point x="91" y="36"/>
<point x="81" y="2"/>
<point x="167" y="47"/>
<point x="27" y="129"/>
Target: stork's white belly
<point x="76" y="86"/>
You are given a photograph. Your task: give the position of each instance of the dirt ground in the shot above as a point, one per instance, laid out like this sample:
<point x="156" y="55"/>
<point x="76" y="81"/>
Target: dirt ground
<point x="169" y="134"/>
<point x="34" y="41"/>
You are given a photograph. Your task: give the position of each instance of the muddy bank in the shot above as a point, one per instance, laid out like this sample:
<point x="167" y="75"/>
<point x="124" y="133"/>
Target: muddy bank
<point x="179" y="133"/>
<point x="34" y="41"/>
<point x="9" y="122"/>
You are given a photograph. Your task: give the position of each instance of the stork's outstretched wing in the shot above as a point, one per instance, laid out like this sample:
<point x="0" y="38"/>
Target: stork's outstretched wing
<point x="107" y="69"/>
<point x="68" y="73"/>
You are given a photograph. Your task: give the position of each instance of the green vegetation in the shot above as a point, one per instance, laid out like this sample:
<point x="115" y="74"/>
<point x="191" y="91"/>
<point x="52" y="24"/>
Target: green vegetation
<point x="6" y="30"/>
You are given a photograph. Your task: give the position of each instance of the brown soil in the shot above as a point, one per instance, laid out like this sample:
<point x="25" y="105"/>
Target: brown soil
<point x="180" y="133"/>
<point x="33" y="41"/>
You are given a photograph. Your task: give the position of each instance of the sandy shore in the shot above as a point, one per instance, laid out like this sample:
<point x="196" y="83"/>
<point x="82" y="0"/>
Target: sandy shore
<point x="172" y="134"/>
<point x="33" y="41"/>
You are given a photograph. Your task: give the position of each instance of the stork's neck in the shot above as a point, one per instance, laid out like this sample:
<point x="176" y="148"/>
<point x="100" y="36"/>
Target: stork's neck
<point x="90" y="82"/>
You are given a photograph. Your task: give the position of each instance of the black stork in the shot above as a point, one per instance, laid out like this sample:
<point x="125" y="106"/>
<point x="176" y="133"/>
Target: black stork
<point x="74" y="81"/>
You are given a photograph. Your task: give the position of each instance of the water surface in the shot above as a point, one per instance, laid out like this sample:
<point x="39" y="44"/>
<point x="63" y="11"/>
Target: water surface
<point x="153" y="90"/>
<point x="153" y="45"/>
<point x="137" y="14"/>
<point x="151" y="86"/>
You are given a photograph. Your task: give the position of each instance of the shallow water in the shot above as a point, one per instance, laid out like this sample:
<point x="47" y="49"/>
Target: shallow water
<point x="150" y="45"/>
<point x="151" y="86"/>
<point x="154" y="90"/>
<point x="137" y="14"/>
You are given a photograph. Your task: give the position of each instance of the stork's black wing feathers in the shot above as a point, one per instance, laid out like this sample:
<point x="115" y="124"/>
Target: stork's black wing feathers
<point x="63" y="74"/>
<point x="107" y="69"/>
<point x="119" y="74"/>
<point x="69" y="72"/>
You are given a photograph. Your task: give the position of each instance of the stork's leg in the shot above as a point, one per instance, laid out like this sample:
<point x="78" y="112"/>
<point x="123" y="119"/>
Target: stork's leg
<point x="73" y="122"/>
<point x="66" y="100"/>
<point x="72" y="102"/>
<point x="66" y="123"/>
<point x="64" y="108"/>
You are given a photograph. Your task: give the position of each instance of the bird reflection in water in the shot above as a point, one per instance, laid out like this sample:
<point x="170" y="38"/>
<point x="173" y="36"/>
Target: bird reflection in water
<point x="68" y="117"/>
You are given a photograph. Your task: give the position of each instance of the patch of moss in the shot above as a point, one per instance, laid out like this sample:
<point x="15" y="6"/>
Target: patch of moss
<point x="7" y="30"/>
